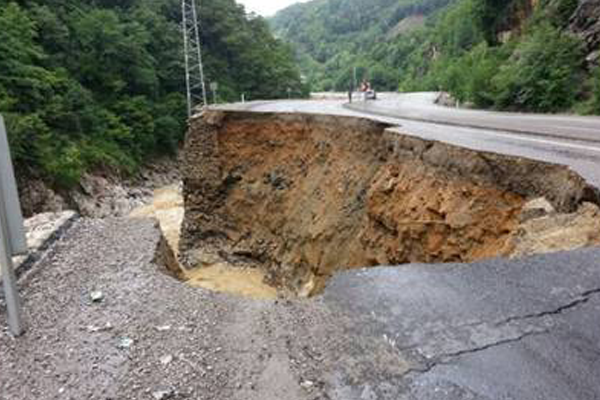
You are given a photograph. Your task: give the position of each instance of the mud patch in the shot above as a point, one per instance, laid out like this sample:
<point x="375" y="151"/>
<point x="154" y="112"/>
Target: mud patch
<point x="226" y="278"/>
<point x="301" y="196"/>
<point x="167" y="208"/>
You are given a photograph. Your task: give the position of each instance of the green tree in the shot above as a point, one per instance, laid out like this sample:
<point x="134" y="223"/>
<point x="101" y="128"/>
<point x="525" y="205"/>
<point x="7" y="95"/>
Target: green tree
<point x="596" y="93"/>
<point x="543" y="73"/>
<point x="99" y="84"/>
<point x="24" y="83"/>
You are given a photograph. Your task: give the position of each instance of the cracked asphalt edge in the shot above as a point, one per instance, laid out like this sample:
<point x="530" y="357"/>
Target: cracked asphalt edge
<point x="423" y="364"/>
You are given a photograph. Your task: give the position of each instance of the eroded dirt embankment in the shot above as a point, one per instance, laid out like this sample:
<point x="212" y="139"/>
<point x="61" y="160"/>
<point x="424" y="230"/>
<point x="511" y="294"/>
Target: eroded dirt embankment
<point x="301" y="196"/>
<point x="100" y="194"/>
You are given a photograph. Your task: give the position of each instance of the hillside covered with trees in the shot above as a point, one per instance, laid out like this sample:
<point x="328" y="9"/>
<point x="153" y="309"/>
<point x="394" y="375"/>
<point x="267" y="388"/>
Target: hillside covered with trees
<point x="520" y="55"/>
<point x="99" y="84"/>
<point x="331" y="37"/>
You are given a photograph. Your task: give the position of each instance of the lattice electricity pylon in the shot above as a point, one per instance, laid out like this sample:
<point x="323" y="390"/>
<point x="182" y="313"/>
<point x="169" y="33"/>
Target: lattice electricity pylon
<point x="194" y="70"/>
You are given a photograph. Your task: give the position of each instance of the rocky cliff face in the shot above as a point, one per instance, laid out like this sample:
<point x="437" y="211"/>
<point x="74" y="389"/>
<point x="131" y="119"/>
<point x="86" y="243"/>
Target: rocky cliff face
<point x="301" y="196"/>
<point x="586" y="24"/>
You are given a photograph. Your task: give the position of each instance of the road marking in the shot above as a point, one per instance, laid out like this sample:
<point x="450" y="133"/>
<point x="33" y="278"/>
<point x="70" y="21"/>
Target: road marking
<point x="518" y="137"/>
<point x="506" y="135"/>
<point x="543" y="141"/>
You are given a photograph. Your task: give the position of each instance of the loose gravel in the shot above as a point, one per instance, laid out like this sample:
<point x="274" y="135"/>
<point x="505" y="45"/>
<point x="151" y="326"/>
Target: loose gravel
<point x="104" y="322"/>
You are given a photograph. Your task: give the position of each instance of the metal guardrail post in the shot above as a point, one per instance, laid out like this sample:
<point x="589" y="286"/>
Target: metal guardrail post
<point x="12" y="236"/>
<point x="9" y="280"/>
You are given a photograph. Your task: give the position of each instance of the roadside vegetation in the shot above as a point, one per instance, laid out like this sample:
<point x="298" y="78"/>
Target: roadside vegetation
<point x="593" y="107"/>
<point x="524" y="65"/>
<point x="99" y="85"/>
<point x="505" y="55"/>
<point x="333" y="37"/>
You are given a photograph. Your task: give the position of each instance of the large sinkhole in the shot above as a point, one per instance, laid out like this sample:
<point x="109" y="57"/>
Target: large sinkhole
<point x="299" y="197"/>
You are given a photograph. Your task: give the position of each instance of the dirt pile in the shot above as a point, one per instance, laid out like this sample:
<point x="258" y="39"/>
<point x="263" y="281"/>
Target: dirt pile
<point x="555" y="232"/>
<point x="301" y="196"/>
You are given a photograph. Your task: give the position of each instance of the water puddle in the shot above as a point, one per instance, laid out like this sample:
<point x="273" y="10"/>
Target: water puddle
<point x="167" y="208"/>
<point x="225" y="278"/>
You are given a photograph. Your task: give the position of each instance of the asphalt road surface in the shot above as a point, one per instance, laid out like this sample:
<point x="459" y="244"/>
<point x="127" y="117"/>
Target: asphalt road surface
<point x="500" y="329"/>
<point x="421" y="106"/>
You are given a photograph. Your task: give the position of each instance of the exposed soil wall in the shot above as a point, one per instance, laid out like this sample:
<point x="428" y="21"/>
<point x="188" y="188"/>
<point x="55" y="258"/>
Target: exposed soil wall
<point x="304" y="195"/>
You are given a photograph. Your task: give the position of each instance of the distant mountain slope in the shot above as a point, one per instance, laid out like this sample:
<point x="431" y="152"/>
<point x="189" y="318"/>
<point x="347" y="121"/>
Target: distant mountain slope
<point x="525" y="55"/>
<point x="329" y="34"/>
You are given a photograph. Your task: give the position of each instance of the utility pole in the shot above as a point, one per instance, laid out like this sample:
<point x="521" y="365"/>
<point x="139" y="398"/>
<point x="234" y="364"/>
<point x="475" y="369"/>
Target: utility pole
<point x="192" y="49"/>
<point x="214" y="86"/>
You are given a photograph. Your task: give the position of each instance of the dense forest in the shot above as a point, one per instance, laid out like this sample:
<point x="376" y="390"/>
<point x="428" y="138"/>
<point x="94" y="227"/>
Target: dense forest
<point x="99" y="85"/>
<point x="331" y="37"/>
<point x="521" y="55"/>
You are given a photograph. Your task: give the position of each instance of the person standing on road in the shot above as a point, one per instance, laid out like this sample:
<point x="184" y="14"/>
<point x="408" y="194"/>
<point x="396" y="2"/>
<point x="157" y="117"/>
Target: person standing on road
<point x="350" y="90"/>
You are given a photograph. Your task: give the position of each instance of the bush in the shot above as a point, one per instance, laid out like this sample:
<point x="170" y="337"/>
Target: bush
<point x="28" y="136"/>
<point x="596" y="93"/>
<point x="560" y="11"/>
<point x="65" y="166"/>
<point x="543" y="74"/>
<point x="470" y="78"/>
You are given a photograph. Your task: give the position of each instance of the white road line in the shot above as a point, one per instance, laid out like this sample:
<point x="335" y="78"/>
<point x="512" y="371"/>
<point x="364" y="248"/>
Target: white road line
<point x="479" y="131"/>
<point x="544" y="141"/>
<point x="509" y="136"/>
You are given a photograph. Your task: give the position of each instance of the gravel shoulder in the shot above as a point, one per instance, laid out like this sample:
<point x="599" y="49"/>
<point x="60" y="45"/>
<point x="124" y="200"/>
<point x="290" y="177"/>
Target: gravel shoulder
<point x="150" y="336"/>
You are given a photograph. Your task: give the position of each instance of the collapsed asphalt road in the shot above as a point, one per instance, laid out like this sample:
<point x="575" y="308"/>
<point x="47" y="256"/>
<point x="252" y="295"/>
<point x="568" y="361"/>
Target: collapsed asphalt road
<point x="574" y="141"/>
<point x="499" y="329"/>
<point x="300" y="196"/>
<point x="490" y="330"/>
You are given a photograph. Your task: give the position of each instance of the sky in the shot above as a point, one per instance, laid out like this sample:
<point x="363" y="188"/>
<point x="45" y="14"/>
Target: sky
<point x="266" y="8"/>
